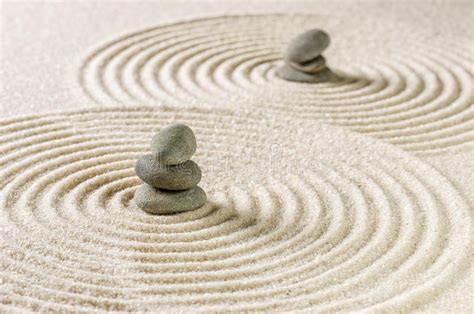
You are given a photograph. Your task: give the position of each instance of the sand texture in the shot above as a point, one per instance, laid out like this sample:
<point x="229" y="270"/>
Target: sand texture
<point x="351" y="195"/>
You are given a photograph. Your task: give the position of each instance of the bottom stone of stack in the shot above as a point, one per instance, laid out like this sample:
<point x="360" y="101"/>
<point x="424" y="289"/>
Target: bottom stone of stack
<point x="158" y="201"/>
<point x="288" y="73"/>
<point x="312" y="66"/>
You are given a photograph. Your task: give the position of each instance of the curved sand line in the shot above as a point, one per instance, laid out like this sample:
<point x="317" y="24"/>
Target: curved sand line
<point x="409" y="91"/>
<point x="336" y="223"/>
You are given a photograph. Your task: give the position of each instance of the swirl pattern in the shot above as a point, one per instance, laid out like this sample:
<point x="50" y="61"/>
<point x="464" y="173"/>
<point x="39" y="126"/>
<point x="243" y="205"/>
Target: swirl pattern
<point x="337" y="222"/>
<point x="400" y="86"/>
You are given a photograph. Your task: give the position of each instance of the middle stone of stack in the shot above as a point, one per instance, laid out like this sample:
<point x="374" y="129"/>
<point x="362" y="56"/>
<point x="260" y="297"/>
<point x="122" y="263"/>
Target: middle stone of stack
<point x="171" y="177"/>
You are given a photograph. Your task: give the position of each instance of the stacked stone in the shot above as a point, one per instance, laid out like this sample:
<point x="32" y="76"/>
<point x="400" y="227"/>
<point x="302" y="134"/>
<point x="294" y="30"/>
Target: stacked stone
<point x="303" y="59"/>
<point x="170" y="176"/>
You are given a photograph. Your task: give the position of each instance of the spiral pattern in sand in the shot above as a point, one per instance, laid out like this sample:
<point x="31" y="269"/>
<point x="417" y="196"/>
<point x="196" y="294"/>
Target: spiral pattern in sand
<point x="401" y="86"/>
<point x="308" y="218"/>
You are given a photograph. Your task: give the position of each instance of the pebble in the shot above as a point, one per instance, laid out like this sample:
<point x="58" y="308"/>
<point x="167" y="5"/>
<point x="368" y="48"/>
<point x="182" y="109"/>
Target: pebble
<point x="290" y="74"/>
<point x="156" y="201"/>
<point x="307" y="46"/>
<point x="312" y="66"/>
<point x="174" y="144"/>
<point x="177" y="177"/>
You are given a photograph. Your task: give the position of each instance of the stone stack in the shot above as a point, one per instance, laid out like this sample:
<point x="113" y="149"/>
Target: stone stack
<point x="170" y="176"/>
<point x="303" y="59"/>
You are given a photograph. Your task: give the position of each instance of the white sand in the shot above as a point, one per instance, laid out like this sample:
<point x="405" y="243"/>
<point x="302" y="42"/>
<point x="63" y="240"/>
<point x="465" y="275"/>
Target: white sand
<point x="324" y="197"/>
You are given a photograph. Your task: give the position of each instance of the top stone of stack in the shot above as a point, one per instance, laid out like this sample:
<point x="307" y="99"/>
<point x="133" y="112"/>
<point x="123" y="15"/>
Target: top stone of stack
<point x="174" y="144"/>
<point x="307" y="46"/>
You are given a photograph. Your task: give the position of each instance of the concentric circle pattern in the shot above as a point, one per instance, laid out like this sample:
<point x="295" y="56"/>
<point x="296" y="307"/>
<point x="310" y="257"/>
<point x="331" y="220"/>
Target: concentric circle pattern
<point x="401" y="85"/>
<point x="308" y="218"/>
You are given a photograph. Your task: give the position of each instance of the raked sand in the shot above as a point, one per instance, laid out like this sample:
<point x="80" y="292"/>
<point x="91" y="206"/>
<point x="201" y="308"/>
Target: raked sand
<point x="355" y="194"/>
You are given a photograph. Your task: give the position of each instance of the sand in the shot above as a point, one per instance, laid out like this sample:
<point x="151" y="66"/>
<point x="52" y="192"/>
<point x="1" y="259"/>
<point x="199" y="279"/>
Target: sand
<point x="351" y="195"/>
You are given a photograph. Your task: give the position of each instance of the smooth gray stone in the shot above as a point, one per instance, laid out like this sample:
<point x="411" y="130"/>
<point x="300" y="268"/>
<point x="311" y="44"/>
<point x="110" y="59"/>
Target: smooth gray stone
<point x="288" y="73"/>
<point x="307" y="46"/>
<point x="174" y="144"/>
<point x="312" y="66"/>
<point x="176" y="177"/>
<point x="157" y="201"/>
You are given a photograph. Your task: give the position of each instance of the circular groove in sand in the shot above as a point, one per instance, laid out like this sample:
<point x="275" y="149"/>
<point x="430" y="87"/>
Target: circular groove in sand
<point x="330" y="232"/>
<point x="415" y="94"/>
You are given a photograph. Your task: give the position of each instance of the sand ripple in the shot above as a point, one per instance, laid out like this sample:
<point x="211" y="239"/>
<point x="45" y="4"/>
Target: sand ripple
<point x="308" y="218"/>
<point x="401" y="86"/>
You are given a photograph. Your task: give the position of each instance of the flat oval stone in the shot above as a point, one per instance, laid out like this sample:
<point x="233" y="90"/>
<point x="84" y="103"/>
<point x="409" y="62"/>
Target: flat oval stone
<point x="155" y="201"/>
<point x="177" y="177"/>
<point x="174" y="144"/>
<point x="288" y="73"/>
<point x="312" y="66"/>
<point x="307" y="46"/>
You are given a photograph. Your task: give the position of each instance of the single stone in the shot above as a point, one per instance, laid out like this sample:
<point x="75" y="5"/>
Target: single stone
<point x="177" y="177"/>
<point x="155" y="201"/>
<point x="307" y="46"/>
<point x="312" y="66"/>
<point x="288" y="73"/>
<point x="174" y="144"/>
